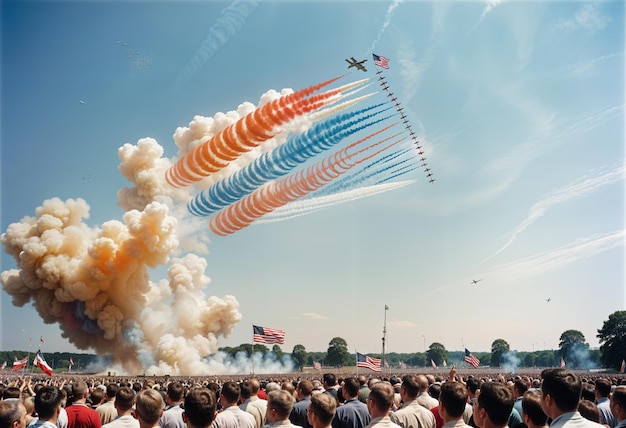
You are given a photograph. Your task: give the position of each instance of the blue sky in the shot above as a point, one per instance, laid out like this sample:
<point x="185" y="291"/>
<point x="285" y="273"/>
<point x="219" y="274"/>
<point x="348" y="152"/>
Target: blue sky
<point x="519" y="107"/>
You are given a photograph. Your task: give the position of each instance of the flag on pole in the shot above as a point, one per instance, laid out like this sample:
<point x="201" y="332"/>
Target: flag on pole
<point x="41" y="363"/>
<point x="317" y="366"/>
<point x="432" y="363"/>
<point x="386" y="364"/>
<point x="623" y="367"/>
<point x="268" y="335"/>
<point x="402" y="365"/>
<point x="471" y="359"/>
<point x="368" y="362"/>
<point x="445" y="364"/>
<point x="18" y="364"/>
<point x="380" y="61"/>
<point x="562" y="363"/>
<point x="3" y="366"/>
<point x="71" y="361"/>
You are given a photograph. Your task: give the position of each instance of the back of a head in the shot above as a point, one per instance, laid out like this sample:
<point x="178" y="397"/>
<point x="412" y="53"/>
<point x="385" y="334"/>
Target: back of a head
<point x="383" y="395"/>
<point x="563" y="386"/>
<point x="473" y="385"/>
<point x="411" y="385"/>
<point x="434" y="390"/>
<point x="272" y="386"/>
<point x="230" y="392"/>
<point x="47" y="401"/>
<point x="423" y="382"/>
<point x="175" y="391"/>
<point x="497" y="400"/>
<point x="11" y="392"/>
<point x="200" y="407"/>
<point x="330" y="379"/>
<point x="603" y="386"/>
<point x="124" y="398"/>
<point x="305" y="386"/>
<point x="351" y="386"/>
<point x="324" y="406"/>
<point x="453" y="397"/>
<point x="79" y="389"/>
<point x="111" y="390"/>
<point x="281" y="402"/>
<point x="244" y="390"/>
<point x="254" y="386"/>
<point x="149" y="405"/>
<point x="520" y="386"/>
<point x="531" y="407"/>
<point x="10" y="412"/>
<point x="589" y="410"/>
<point x="619" y="396"/>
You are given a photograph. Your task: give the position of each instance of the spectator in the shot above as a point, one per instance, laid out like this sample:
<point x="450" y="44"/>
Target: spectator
<point x="589" y="410"/>
<point x="618" y="405"/>
<point x="321" y="410"/>
<point x="279" y="405"/>
<point x="353" y="413"/>
<point x="330" y="384"/>
<point x="232" y="416"/>
<point x="519" y="388"/>
<point x="298" y="412"/>
<point x="493" y="405"/>
<point x="423" y="397"/>
<point x="48" y="403"/>
<point x="254" y="405"/>
<point x="173" y="414"/>
<point x="412" y="413"/>
<point x="107" y="410"/>
<point x="603" y="392"/>
<point x="124" y="401"/>
<point x="200" y="408"/>
<point x="452" y="401"/>
<point x="364" y="389"/>
<point x="78" y="414"/>
<point x="148" y="408"/>
<point x="12" y="414"/>
<point x="379" y="404"/>
<point x="532" y="413"/>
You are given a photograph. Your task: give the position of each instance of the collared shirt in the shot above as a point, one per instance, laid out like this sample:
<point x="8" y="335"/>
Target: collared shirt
<point x="282" y="424"/>
<point x="413" y="415"/>
<point x="234" y="417"/>
<point x="573" y="420"/>
<point x="382" y="421"/>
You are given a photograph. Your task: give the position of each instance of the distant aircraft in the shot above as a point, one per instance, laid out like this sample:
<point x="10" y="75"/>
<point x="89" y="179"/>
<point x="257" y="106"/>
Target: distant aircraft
<point x="474" y="281"/>
<point x="358" y="64"/>
<point x="432" y="180"/>
<point x="548" y="299"/>
<point x="81" y="102"/>
<point x="420" y="152"/>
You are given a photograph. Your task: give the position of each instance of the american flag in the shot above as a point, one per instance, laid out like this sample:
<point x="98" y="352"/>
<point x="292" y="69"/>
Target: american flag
<point x="471" y="359"/>
<point x="368" y="362"/>
<point x="268" y="336"/>
<point x="380" y="61"/>
<point x="402" y="365"/>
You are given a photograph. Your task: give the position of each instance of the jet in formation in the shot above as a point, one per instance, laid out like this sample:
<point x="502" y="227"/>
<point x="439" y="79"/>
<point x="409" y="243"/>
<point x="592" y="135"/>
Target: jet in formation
<point x="358" y="64"/>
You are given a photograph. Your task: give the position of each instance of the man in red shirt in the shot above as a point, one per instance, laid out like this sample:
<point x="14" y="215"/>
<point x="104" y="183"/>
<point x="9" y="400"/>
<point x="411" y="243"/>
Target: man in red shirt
<point x="79" y="415"/>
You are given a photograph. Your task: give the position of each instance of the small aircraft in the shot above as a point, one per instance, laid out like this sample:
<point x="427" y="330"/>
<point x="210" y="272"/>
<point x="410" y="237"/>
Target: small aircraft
<point x="358" y="64"/>
<point x="420" y="153"/>
<point x="432" y="180"/>
<point x="430" y="174"/>
<point x="385" y="87"/>
<point x="548" y="299"/>
<point x="475" y="281"/>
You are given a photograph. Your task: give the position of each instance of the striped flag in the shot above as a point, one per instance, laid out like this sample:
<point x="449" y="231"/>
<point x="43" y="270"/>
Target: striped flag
<point x="368" y="362"/>
<point x="402" y="365"/>
<point x="471" y="359"/>
<point x="380" y="61"/>
<point x="3" y="366"/>
<point x="623" y="367"/>
<point x="41" y="363"/>
<point x="268" y="336"/>
<point x="18" y="364"/>
<point x="433" y="365"/>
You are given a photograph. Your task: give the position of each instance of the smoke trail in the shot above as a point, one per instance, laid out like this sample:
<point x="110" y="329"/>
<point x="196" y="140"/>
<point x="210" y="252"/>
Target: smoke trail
<point x="392" y="7"/>
<point x="510" y="362"/>
<point x="229" y="22"/>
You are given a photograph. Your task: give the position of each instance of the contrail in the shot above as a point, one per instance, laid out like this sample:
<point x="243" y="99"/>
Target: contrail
<point x="229" y="22"/>
<point x="392" y="7"/>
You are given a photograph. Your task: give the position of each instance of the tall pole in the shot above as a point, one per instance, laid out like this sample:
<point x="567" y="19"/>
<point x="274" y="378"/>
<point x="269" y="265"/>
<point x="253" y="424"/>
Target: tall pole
<point x="384" y="335"/>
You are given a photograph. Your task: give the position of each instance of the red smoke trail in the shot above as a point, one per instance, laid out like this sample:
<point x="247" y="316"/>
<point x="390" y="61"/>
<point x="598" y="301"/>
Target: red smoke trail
<point x="244" y="135"/>
<point x="276" y="194"/>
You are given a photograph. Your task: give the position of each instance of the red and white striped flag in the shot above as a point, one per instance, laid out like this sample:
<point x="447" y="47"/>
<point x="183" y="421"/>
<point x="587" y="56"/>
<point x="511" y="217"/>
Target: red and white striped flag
<point x="268" y="335"/>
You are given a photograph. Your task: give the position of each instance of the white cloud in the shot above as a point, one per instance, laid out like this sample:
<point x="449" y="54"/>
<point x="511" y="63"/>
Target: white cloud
<point x="588" y="17"/>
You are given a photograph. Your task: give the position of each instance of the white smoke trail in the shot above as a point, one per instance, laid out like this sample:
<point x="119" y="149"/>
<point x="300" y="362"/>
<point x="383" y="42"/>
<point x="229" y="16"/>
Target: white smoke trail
<point x="392" y="7"/>
<point x="229" y="22"/>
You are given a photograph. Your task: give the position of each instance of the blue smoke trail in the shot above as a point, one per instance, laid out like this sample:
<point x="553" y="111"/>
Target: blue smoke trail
<point x="280" y="161"/>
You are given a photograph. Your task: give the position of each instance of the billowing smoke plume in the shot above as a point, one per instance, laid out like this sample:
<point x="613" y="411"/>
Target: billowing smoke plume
<point x="510" y="362"/>
<point x="94" y="281"/>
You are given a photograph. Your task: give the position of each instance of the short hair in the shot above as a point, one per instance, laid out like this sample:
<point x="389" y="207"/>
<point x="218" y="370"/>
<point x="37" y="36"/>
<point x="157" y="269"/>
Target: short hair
<point x="423" y="382"/>
<point x="531" y="407"/>
<point x="330" y="379"/>
<point x="231" y="391"/>
<point x="382" y="395"/>
<point x="149" y="405"/>
<point x="112" y="389"/>
<point x="96" y="396"/>
<point x="619" y="396"/>
<point x="563" y="386"/>
<point x="351" y="386"/>
<point x="589" y="410"/>
<point x="200" y="406"/>
<point x="588" y="392"/>
<point x="521" y="386"/>
<point x="124" y="398"/>
<point x="453" y="397"/>
<point x="497" y="400"/>
<point x="306" y="386"/>
<point x="254" y="386"/>
<point x="603" y="386"/>
<point x="434" y="390"/>
<point x="175" y="391"/>
<point x="324" y="406"/>
<point x="79" y="389"/>
<point x="280" y="401"/>
<point x="244" y="390"/>
<point x="410" y="385"/>
<point x="47" y="401"/>
<point x="11" y="411"/>
<point x="11" y="392"/>
<point x="473" y="385"/>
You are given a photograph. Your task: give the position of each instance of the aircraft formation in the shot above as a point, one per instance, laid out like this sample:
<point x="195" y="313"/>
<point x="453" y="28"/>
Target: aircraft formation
<point x="358" y="64"/>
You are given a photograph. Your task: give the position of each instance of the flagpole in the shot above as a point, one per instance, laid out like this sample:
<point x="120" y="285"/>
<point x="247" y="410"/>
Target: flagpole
<point x="384" y="336"/>
<point x="356" y="358"/>
<point x="252" y="351"/>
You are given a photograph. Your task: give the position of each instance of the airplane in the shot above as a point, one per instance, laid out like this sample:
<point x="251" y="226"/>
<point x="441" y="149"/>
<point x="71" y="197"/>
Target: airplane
<point x="81" y="102"/>
<point x="430" y="174"/>
<point x="358" y="64"/>
<point x="412" y="133"/>
<point x="475" y="281"/>
<point x="423" y="159"/>
<point x="427" y="169"/>
<point x="548" y="299"/>
<point x="385" y="87"/>
<point x="420" y="152"/>
<point x="432" y="180"/>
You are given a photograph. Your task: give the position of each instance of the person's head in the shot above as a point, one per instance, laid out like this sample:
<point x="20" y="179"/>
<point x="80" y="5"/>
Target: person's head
<point x="96" y="396"/>
<point x="409" y="388"/>
<point x="11" y="392"/>
<point x="48" y="401"/>
<point x="200" y="408"/>
<point x="493" y="406"/>
<point x="124" y="399"/>
<point x="422" y="382"/>
<point x="244" y="390"/>
<point x="305" y="388"/>
<point x="532" y="413"/>
<point x="80" y="390"/>
<point x="321" y="410"/>
<point x="380" y="399"/>
<point x="602" y="388"/>
<point x="111" y="391"/>
<point x="618" y="402"/>
<point x="12" y="414"/>
<point x="472" y="385"/>
<point x="330" y="380"/>
<point x="588" y="392"/>
<point x="350" y="388"/>
<point x="362" y="380"/>
<point x="434" y="390"/>
<point x="175" y="392"/>
<point x="589" y="410"/>
<point x="519" y="387"/>
<point x="279" y="405"/>
<point x="560" y="391"/>
<point x="230" y="393"/>
<point x="452" y="400"/>
<point x="148" y="407"/>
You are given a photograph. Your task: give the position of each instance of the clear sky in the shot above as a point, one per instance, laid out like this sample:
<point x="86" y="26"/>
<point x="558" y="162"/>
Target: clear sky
<point x="519" y="107"/>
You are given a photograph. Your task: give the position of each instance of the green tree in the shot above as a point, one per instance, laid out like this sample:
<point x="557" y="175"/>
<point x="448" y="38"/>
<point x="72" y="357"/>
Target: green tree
<point x="299" y="356"/>
<point x="337" y="354"/>
<point x="278" y="352"/>
<point x="437" y="352"/>
<point x="612" y="338"/>
<point x="498" y="348"/>
<point x="573" y="348"/>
